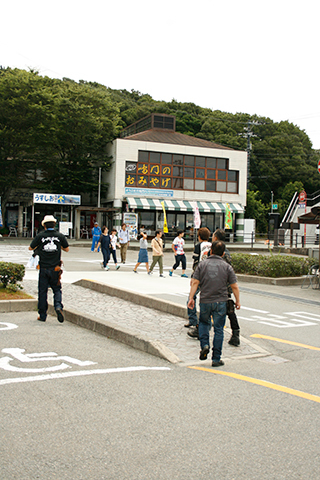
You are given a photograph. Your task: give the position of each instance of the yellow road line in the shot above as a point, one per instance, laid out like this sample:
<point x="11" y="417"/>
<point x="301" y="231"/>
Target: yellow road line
<point x="262" y="383"/>
<point x="266" y="337"/>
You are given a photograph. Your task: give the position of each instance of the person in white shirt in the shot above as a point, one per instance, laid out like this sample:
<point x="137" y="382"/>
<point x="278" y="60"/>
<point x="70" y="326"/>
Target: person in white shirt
<point x="124" y="240"/>
<point x="180" y="257"/>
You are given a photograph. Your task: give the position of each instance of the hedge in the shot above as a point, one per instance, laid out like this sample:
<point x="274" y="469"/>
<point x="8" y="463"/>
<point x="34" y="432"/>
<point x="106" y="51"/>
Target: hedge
<point x="274" y="266"/>
<point x="10" y="274"/>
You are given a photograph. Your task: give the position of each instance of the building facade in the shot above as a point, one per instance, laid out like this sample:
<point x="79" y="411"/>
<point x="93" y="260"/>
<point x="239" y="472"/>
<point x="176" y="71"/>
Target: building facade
<point x="152" y="163"/>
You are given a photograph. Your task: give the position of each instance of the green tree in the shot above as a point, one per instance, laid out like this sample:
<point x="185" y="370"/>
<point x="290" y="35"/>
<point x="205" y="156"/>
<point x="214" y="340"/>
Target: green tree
<point x="53" y="133"/>
<point x="258" y="210"/>
<point x="25" y="123"/>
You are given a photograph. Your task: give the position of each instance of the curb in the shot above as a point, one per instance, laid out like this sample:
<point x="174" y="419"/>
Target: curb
<point x="27" y="305"/>
<point x="270" y="280"/>
<point x="112" y="331"/>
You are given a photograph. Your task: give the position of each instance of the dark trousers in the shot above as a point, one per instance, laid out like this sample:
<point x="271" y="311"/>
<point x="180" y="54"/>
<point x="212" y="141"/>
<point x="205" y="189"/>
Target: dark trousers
<point x="106" y="256"/>
<point x="49" y="278"/>
<point x="234" y="324"/>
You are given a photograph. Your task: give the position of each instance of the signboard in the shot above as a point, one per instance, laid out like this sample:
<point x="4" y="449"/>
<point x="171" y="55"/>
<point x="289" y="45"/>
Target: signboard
<point x="319" y="166"/>
<point x="64" y="227"/>
<point x="52" y="198"/>
<point x="143" y="192"/>
<point x="302" y="196"/>
<point x="1" y="222"/>
<point x="131" y="220"/>
<point x="274" y="206"/>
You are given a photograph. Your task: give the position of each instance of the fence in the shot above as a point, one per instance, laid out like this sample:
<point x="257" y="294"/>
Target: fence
<point x="278" y="238"/>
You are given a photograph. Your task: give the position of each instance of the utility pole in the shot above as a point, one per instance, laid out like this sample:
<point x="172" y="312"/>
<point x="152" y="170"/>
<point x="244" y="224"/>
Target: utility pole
<point x="248" y="135"/>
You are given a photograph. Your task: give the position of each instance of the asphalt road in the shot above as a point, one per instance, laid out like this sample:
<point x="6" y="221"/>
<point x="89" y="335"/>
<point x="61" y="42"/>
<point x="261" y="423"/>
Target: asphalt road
<point x="76" y="405"/>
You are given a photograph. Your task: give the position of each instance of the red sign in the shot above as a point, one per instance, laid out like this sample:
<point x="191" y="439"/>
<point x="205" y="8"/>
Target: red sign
<point x="319" y="166"/>
<point x="302" y="196"/>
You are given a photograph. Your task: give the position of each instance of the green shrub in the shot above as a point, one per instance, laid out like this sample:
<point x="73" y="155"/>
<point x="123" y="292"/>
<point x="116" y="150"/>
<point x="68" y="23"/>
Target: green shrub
<point x="274" y="266"/>
<point x="4" y="231"/>
<point x="10" y="274"/>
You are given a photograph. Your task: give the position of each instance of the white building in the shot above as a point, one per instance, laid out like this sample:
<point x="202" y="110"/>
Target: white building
<point x="154" y="163"/>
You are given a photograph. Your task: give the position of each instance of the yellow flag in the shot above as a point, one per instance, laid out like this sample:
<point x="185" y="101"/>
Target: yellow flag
<point x="228" y="219"/>
<point x="165" y="225"/>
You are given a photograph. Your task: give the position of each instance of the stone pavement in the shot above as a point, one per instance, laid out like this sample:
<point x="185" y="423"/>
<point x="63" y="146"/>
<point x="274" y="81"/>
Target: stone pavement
<point x="141" y="321"/>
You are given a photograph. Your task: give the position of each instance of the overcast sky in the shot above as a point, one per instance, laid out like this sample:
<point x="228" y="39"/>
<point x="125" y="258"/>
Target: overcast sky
<point x="248" y="56"/>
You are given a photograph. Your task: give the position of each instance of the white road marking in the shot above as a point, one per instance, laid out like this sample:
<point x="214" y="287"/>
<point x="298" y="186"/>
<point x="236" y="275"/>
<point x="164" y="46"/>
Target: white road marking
<point x="8" y="326"/>
<point x="80" y="373"/>
<point x="18" y="354"/>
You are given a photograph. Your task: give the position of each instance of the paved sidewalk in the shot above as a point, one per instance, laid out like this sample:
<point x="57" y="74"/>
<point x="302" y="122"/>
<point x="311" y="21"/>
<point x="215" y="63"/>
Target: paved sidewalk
<point x="141" y="321"/>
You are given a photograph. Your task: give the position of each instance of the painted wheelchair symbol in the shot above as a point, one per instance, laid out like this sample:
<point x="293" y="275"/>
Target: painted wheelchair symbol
<point x="18" y="354"/>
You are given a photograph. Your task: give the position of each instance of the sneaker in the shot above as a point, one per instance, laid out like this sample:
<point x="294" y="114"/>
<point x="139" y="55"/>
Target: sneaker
<point x="60" y="316"/>
<point x="204" y="352"/>
<point x="170" y="273"/>
<point x="217" y="364"/>
<point x="117" y="267"/>
<point x="135" y="271"/>
<point x="41" y="319"/>
<point x="102" y="265"/>
<point x="184" y="276"/>
<point x="194" y="332"/>
<point x="162" y="276"/>
<point x="107" y="268"/>
<point x="149" y="273"/>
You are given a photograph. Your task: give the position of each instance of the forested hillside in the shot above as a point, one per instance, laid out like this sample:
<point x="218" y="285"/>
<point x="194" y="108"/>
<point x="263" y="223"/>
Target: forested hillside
<point x="63" y="125"/>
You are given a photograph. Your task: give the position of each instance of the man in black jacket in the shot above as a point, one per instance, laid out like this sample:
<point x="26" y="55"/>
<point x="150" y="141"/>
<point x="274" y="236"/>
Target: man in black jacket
<point x="49" y="244"/>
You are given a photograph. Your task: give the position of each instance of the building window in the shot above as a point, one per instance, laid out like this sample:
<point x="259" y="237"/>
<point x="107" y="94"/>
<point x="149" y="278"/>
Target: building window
<point x="175" y="171"/>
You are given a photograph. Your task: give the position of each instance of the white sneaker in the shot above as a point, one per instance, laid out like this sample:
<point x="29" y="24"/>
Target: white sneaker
<point x="106" y="268"/>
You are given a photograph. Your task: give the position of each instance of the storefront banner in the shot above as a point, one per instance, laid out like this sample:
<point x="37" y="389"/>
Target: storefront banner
<point x="131" y="220"/>
<point x="148" y="191"/>
<point x="196" y="216"/>
<point x="165" y="225"/>
<point x="1" y="223"/>
<point x="228" y="218"/>
<point x="51" y="198"/>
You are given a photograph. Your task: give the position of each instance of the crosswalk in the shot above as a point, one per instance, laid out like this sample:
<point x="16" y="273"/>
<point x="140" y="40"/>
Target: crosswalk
<point x="14" y="253"/>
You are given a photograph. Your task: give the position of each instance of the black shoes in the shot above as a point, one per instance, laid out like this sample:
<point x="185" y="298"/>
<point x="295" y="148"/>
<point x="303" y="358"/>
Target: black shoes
<point x="60" y="316"/>
<point x="204" y="352"/>
<point x="41" y="319"/>
<point x="218" y="364"/>
<point x="194" y="332"/>
<point x="235" y="339"/>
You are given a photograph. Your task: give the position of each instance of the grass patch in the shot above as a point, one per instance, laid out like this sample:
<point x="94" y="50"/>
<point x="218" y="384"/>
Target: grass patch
<point x="6" y="294"/>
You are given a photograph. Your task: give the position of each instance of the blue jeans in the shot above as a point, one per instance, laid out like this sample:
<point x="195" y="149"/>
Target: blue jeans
<point x="48" y="278"/>
<point x="218" y="311"/>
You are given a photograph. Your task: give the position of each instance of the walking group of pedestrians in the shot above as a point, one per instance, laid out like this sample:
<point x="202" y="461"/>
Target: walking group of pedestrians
<point x="213" y="276"/>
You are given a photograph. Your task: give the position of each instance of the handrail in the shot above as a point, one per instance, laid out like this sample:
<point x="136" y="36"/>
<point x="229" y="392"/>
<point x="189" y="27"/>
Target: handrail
<point x="288" y="215"/>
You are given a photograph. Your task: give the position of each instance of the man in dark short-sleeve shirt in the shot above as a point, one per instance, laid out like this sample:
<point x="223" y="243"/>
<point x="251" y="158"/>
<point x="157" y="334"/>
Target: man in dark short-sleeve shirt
<point x="213" y="276"/>
<point x="49" y="244"/>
